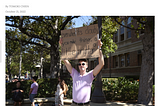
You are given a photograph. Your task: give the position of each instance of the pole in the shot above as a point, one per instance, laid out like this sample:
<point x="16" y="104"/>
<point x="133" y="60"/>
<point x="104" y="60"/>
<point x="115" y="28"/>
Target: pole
<point x="98" y="95"/>
<point x="110" y="65"/>
<point x="20" y="58"/>
<point x="41" y="67"/>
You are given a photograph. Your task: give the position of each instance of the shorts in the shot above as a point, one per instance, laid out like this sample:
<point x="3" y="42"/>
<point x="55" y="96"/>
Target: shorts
<point x="31" y="97"/>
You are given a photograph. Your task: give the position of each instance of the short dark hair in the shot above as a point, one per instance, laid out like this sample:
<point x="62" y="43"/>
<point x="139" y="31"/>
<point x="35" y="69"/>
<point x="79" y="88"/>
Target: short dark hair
<point x="85" y="60"/>
<point x="35" y="77"/>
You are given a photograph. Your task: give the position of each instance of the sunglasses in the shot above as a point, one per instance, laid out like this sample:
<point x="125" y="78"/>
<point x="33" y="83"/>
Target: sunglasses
<point x="81" y="64"/>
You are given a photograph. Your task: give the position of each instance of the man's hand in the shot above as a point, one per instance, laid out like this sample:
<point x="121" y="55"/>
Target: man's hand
<point x="21" y="90"/>
<point x="99" y="44"/>
<point x="60" y="41"/>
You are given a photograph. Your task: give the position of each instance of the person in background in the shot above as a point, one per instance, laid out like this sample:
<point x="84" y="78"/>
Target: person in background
<point x="60" y="92"/>
<point x="33" y="90"/>
<point x="17" y="94"/>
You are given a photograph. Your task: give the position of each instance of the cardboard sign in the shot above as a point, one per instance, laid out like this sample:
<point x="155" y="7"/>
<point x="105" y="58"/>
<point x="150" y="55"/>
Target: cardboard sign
<point x="80" y="43"/>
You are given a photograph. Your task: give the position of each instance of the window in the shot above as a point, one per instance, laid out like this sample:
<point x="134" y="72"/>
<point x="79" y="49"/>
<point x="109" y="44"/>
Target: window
<point x="129" y="20"/>
<point x="129" y="31"/>
<point x="127" y="59"/>
<point x="115" y="61"/>
<point x="122" y="37"/>
<point x="129" y="25"/>
<point x="122" y="34"/>
<point x="122" y="30"/>
<point x="122" y="60"/>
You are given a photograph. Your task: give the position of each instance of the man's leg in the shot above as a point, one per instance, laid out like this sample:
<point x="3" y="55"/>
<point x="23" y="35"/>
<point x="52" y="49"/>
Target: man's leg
<point x="31" y="97"/>
<point x="33" y="104"/>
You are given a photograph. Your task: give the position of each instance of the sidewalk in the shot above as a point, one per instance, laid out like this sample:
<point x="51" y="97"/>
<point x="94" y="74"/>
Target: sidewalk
<point x="50" y="100"/>
<point x="112" y="104"/>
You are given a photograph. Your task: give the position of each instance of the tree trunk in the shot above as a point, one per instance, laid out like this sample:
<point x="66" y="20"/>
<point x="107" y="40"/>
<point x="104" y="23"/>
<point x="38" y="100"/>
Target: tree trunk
<point x="8" y="67"/>
<point x="55" y="58"/>
<point x="54" y="63"/>
<point x="147" y="67"/>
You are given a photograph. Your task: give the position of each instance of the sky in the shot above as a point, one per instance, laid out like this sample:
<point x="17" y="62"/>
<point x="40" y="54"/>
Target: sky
<point x="80" y="20"/>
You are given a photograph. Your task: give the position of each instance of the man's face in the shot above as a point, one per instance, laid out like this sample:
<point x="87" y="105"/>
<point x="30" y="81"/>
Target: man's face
<point x="18" y="84"/>
<point x="82" y="66"/>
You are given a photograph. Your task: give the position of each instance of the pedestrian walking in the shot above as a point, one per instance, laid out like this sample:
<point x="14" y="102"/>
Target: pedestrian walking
<point x="33" y="90"/>
<point x="82" y="80"/>
<point x="60" y="92"/>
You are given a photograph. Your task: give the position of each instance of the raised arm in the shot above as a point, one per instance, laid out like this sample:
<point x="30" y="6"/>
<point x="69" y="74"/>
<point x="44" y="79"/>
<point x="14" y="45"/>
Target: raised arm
<point x="68" y="65"/>
<point x="97" y="69"/>
<point x="66" y="62"/>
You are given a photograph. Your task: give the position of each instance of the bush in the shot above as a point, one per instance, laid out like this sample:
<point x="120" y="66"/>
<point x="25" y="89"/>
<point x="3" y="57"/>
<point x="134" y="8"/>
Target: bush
<point x="47" y="87"/>
<point x="114" y="88"/>
<point x="121" y="89"/>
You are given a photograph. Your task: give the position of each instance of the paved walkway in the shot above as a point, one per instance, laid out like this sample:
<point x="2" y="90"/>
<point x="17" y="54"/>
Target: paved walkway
<point x="112" y="104"/>
<point x="69" y="101"/>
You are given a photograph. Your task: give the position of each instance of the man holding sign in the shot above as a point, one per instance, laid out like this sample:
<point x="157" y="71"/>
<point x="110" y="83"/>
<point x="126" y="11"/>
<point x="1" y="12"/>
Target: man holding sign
<point x="82" y="81"/>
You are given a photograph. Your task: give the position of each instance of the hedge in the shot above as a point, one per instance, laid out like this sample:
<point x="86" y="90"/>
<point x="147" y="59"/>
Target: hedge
<point x="114" y="89"/>
<point x="47" y="87"/>
<point x="121" y="89"/>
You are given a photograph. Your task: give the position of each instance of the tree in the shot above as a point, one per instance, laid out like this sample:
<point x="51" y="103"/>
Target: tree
<point x="109" y="27"/>
<point x="38" y="29"/>
<point x="146" y="24"/>
<point x="12" y="48"/>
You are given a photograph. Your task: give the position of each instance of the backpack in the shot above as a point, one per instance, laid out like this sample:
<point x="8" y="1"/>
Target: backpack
<point x="17" y="96"/>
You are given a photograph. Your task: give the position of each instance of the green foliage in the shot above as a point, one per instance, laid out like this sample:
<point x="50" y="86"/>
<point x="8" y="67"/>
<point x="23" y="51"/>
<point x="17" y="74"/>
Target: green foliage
<point x="153" y="90"/>
<point x="47" y="88"/>
<point x="114" y="88"/>
<point x="109" y="27"/>
<point x="121" y="89"/>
